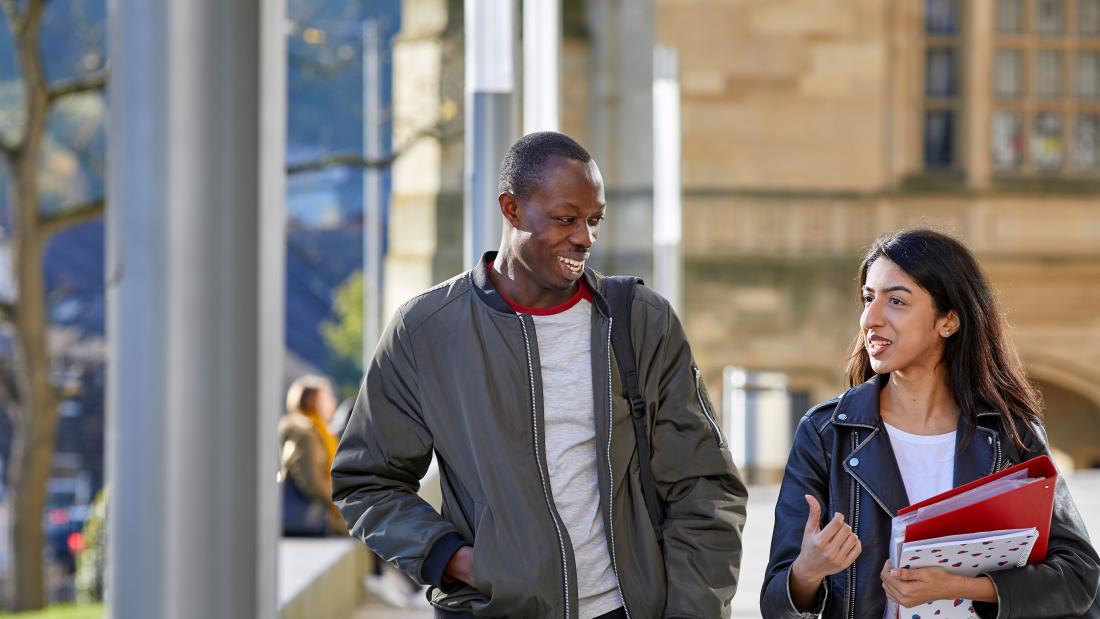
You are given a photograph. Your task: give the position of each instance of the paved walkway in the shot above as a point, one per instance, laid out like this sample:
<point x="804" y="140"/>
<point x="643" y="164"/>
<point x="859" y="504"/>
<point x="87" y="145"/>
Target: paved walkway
<point x="1085" y="486"/>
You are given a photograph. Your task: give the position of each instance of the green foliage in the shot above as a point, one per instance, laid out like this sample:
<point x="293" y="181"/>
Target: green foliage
<point x="91" y="563"/>
<point x="344" y="336"/>
<point x="61" y="611"/>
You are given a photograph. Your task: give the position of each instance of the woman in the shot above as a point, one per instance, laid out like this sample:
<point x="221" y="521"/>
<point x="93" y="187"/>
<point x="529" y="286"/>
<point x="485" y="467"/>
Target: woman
<point x="306" y="455"/>
<point x="938" y="399"/>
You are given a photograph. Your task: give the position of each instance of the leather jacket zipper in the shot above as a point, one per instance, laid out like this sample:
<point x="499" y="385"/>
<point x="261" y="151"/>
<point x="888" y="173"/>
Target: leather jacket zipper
<point x="855" y="529"/>
<point x="706" y="411"/>
<point x="538" y="464"/>
<point x="611" y="475"/>
<point x="997" y="455"/>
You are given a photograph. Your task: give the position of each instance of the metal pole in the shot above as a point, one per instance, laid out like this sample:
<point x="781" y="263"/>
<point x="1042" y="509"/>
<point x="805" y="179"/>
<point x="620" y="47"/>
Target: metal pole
<point x="541" y="58"/>
<point x="667" y="217"/>
<point x="195" y="280"/>
<point x="490" y="128"/>
<point x="372" y="191"/>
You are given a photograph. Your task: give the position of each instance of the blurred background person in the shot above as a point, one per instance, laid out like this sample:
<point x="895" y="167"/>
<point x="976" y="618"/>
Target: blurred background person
<point x="307" y="448"/>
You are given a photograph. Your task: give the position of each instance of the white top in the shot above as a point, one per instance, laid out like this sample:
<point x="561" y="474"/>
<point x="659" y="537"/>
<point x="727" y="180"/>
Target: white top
<point x="565" y="353"/>
<point x="927" y="463"/>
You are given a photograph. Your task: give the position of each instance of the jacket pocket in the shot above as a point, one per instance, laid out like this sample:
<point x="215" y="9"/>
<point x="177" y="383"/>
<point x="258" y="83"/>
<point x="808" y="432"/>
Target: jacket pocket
<point x="704" y="404"/>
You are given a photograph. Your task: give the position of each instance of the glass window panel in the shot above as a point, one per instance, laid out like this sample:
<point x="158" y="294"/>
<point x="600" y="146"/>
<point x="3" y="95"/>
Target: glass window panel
<point x="939" y="130"/>
<point x="1088" y="17"/>
<point x="1046" y="141"/>
<point x="1050" y="16"/>
<point x="1010" y="16"/>
<point x="941" y="16"/>
<point x="1008" y="78"/>
<point x="1088" y="75"/>
<point x="1048" y="74"/>
<point x="1008" y="140"/>
<point x="940" y="72"/>
<point x="1086" y="141"/>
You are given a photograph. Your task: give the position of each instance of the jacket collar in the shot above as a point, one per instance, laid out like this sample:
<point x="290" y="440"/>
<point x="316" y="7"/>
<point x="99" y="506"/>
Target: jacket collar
<point x="484" y="289"/>
<point x="872" y="462"/>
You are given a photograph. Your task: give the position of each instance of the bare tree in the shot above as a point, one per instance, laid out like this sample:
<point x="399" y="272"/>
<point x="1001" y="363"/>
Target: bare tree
<point x="33" y="400"/>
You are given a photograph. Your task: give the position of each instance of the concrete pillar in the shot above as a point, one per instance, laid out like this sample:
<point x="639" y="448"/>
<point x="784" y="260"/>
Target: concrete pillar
<point x="195" y="289"/>
<point x="425" y="223"/>
<point x="977" y="75"/>
<point x="620" y="122"/>
<point x="668" y="264"/>
<point x="541" y="62"/>
<point x="490" y="121"/>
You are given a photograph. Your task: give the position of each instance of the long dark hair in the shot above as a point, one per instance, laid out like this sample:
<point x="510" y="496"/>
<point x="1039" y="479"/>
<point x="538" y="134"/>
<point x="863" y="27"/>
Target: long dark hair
<point x="984" y="370"/>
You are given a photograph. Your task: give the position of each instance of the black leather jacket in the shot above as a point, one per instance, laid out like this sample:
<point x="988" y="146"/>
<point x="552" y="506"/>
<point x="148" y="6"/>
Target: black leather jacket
<point x="842" y="456"/>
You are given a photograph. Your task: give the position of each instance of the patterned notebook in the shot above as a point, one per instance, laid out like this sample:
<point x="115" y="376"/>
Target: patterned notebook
<point x="969" y="555"/>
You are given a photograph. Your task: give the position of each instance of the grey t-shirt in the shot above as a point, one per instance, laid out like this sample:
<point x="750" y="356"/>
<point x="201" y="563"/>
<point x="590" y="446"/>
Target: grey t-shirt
<point x="565" y="347"/>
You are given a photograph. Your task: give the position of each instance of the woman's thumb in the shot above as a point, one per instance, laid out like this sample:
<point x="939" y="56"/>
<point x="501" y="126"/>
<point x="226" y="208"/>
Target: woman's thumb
<point x="813" y="521"/>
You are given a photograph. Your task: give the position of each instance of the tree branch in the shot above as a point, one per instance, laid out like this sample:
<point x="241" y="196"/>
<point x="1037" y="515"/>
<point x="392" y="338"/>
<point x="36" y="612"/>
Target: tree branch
<point x="49" y="225"/>
<point x="9" y="390"/>
<point x="342" y="160"/>
<point x="91" y="82"/>
<point x="355" y="160"/>
<point x="11" y="11"/>
<point x="33" y="16"/>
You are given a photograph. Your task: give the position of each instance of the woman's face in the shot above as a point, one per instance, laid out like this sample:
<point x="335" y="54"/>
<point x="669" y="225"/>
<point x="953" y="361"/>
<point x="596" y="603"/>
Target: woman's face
<point x="326" y="404"/>
<point x="901" y="328"/>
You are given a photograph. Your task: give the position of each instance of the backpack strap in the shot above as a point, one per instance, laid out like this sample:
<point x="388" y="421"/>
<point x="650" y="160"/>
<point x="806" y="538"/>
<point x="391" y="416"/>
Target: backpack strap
<point x="619" y="292"/>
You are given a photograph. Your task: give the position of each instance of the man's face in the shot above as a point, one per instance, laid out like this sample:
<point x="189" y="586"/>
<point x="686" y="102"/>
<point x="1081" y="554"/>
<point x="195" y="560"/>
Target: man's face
<point x="557" y="225"/>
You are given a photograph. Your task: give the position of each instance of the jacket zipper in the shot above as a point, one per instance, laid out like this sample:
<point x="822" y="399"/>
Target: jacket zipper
<point x="611" y="474"/>
<point x="855" y="529"/>
<point x="538" y="463"/>
<point x="997" y="455"/>
<point x="706" y="412"/>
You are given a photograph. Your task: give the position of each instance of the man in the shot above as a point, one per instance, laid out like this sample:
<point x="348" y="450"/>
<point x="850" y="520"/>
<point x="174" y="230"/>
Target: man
<point x="506" y="372"/>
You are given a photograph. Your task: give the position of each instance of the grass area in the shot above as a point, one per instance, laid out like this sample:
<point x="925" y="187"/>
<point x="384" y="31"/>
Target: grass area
<point x="61" y="611"/>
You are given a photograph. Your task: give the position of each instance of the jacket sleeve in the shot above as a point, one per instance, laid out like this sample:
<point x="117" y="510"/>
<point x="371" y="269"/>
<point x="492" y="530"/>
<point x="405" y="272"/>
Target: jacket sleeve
<point x="383" y="454"/>
<point x="805" y="474"/>
<point x="703" y="495"/>
<point x="1063" y="585"/>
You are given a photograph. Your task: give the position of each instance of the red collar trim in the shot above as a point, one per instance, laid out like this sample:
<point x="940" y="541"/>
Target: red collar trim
<point x="583" y="292"/>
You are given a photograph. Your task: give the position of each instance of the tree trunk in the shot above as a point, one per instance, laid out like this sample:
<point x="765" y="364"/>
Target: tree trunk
<point x="35" y="408"/>
<point x="36" y="424"/>
<point x="36" y="421"/>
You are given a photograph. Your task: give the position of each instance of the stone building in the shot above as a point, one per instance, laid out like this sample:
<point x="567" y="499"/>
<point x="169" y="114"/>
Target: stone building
<point x="809" y="128"/>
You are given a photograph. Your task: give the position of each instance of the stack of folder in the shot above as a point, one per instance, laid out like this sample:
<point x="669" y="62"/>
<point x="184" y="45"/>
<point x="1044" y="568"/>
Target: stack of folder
<point x="994" y="523"/>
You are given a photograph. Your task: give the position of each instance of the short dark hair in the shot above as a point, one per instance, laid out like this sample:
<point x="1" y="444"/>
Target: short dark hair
<point x="982" y="365"/>
<point x="521" y="172"/>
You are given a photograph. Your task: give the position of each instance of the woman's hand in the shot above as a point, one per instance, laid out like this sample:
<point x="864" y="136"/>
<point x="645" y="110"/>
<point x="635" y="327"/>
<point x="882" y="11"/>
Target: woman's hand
<point x="824" y="553"/>
<point x="912" y="587"/>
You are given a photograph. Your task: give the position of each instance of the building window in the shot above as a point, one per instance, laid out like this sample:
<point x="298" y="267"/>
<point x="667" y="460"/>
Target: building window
<point x="1009" y="73"/>
<point x="942" y="79"/>
<point x="1046" y="87"/>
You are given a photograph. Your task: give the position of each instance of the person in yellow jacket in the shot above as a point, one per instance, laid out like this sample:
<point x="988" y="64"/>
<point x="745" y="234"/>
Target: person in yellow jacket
<point x="306" y="458"/>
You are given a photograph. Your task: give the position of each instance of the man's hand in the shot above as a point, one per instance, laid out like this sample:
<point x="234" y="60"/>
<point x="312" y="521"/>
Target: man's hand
<point x="824" y="553"/>
<point x="461" y="566"/>
<point x="913" y="587"/>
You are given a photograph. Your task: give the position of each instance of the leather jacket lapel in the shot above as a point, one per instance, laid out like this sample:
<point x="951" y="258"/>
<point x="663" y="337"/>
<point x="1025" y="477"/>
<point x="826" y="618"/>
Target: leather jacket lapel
<point x="978" y="457"/>
<point x="874" y="466"/>
<point x="871" y="462"/>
